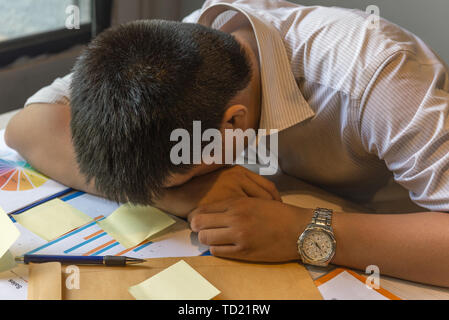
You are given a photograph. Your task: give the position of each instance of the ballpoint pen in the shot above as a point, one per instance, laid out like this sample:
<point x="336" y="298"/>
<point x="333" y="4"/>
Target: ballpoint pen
<point x="79" y="260"/>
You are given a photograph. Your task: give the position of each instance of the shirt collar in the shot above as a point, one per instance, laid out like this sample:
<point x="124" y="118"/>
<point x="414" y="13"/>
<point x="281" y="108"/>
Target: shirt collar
<point x="283" y="104"/>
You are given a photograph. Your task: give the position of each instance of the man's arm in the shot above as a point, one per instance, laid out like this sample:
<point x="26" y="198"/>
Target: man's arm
<point x="404" y="122"/>
<point x="41" y="134"/>
<point x="409" y="246"/>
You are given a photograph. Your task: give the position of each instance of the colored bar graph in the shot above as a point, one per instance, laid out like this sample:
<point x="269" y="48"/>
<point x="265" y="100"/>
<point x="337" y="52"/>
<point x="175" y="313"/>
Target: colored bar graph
<point x="63" y="237"/>
<point x="93" y="235"/>
<point x="91" y="240"/>
<point x="91" y="252"/>
<point x="106" y="249"/>
<point x="143" y="244"/>
<point x="85" y="242"/>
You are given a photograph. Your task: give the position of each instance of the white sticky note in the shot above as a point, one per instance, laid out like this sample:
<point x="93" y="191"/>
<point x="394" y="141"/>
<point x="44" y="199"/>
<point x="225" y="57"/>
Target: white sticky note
<point x="7" y="262"/>
<point x="178" y="282"/>
<point x="345" y="286"/>
<point x="52" y="219"/>
<point x="8" y="235"/>
<point x="130" y="225"/>
<point x="8" y="232"/>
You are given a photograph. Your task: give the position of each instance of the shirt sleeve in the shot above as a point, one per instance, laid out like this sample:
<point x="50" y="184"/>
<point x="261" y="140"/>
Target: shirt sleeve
<point x="57" y="92"/>
<point x="405" y="122"/>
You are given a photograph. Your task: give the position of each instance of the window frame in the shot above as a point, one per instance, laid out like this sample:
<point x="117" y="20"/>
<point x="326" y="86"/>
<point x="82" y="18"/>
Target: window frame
<point x="55" y="41"/>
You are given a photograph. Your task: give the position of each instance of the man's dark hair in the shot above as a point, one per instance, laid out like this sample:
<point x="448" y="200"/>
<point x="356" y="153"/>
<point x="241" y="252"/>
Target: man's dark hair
<point x="133" y="85"/>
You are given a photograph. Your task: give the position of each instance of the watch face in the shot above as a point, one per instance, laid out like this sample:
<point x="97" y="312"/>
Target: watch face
<point x="317" y="246"/>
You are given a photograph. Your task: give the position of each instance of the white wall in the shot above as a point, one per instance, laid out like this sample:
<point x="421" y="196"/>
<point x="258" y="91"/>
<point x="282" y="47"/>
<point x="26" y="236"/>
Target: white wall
<point x="22" y="79"/>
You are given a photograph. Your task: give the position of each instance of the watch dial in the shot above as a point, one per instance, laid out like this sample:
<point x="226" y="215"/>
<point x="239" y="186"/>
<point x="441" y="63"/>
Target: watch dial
<point x="317" y="246"/>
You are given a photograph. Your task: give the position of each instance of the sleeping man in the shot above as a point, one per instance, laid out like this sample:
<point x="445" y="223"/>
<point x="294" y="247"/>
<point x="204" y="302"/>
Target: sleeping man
<point x="354" y="106"/>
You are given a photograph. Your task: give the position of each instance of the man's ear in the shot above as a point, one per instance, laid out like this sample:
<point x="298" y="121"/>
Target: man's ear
<point x="235" y="117"/>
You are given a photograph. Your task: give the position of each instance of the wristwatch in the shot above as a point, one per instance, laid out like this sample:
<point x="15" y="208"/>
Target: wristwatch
<point x="316" y="245"/>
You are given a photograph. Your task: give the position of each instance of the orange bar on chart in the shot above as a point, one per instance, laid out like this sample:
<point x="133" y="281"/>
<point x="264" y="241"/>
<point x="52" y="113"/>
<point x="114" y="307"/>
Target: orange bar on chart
<point x="99" y="248"/>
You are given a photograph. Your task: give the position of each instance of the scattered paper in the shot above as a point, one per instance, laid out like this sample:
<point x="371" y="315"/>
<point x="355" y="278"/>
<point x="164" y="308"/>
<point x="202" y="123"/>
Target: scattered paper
<point x="178" y="282"/>
<point x="8" y="235"/>
<point x="130" y="225"/>
<point x="20" y="184"/>
<point x="52" y="219"/>
<point x="8" y="232"/>
<point x="14" y="284"/>
<point x="7" y="262"/>
<point x="342" y="284"/>
<point x="176" y="241"/>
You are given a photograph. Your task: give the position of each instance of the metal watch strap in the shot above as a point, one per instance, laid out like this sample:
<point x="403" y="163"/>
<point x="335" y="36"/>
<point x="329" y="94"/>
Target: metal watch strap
<point x="322" y="217"/>
<point x="321" y="220"/>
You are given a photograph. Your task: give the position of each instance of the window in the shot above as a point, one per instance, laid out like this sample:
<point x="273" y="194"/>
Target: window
<point x="29" y="17"/>
<point x="31" y="27"/>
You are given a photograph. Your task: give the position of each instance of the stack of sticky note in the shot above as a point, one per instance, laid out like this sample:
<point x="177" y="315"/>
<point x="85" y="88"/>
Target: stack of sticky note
<point x="178" y="282"/>
<point x="8" y="235"/>
<point x="130" y="224"/>
<point x="52" y="219"/>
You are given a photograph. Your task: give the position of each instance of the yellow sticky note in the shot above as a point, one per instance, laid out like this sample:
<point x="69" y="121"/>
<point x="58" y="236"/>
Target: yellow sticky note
<point x="8" y="232"/>
<point x="178" y="282"/>
<point x="8" y="235"/>
<point x="130" y="225"/>
<point x="7" y="262"/>
<point x="52" y="219"/>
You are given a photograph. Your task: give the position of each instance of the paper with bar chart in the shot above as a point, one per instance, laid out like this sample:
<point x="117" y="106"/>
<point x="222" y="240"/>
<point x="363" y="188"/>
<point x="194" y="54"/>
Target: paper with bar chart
<point x="90" y="240"/>
<point x="20" y="184"/>
<point x="175" y="241"/>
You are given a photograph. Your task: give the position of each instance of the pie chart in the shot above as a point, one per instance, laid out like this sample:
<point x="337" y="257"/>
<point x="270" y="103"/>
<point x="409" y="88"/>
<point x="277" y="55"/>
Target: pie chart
<point x="19" y="176"/>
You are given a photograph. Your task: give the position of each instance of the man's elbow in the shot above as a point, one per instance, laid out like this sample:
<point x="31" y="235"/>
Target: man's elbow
<point x="12" y="134"/>
<point x="20" y="132"/>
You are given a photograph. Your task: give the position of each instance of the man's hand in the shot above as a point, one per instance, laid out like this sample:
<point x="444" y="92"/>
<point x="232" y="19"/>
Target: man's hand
<point x="250" y="229"/>
<point x="227" y="183"/>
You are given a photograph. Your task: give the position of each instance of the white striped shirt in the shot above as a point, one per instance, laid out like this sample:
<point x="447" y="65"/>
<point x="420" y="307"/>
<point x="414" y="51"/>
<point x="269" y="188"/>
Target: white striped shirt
<point x="355" y="106"/>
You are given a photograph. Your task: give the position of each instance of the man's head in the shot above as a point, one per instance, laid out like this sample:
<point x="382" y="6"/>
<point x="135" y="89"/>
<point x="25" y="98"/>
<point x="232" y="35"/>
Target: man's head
<point x="138" y="82"/>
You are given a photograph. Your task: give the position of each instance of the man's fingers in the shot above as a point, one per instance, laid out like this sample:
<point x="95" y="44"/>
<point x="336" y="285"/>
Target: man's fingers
<point x="208" y="221"/>
<point x="226" y="251"/>
<point x="267" y="185"/>
<point x="214" y="207"/>
<point x="254" y="190"/>
<point x="221" y="236"/>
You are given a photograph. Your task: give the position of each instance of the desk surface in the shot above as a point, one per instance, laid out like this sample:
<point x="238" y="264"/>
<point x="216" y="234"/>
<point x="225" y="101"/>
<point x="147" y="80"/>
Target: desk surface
<point x="296" y="190"/>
